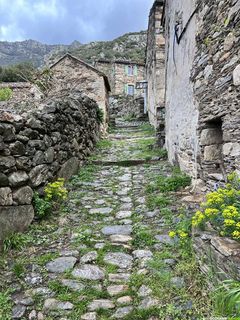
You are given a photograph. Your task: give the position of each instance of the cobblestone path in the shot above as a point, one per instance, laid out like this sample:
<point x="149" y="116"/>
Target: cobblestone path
<point x="105" y="254"/>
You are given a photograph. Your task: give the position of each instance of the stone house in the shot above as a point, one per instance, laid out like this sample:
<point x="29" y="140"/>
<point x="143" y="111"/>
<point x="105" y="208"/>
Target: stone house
<point x="70" y="72"/>
<point x="155" y="71"/>
<point x="125" y="99"/>
<point x="122" y="75"/>
<point x="202" y="86"/>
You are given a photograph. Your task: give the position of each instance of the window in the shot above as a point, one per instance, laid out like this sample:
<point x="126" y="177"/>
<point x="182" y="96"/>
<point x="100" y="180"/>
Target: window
<point x="130" y="90"/>
<point x="130" y="70"/>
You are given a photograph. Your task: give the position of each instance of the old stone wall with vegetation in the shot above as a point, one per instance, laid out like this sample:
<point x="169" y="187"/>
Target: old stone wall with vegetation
<point x="218" y="257"/>
<point x="37" y="147"/>
<point x="216" y="80"/>
<point x="202" y="87"/>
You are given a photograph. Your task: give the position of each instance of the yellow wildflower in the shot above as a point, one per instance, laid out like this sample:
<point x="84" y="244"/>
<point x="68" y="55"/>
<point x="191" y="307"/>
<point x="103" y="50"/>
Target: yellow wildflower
<point x="230" y="212"/>
<point x="209" y="212"/>
<point x="172" y="234"/>
<point x="198" y="218"/>
<point x="182" y="234"/>
<point x="229" y="222"/>
<point x="236" y="234"/>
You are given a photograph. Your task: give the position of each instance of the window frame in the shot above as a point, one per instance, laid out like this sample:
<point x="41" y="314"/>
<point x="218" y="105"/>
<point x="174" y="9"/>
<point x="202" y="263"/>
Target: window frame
<point x="132" y="91"/>
<point x="130" y="73"/>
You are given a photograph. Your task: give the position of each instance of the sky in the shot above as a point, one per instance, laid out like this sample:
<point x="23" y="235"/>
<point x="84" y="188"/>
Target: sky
<point x="63" y="21"/>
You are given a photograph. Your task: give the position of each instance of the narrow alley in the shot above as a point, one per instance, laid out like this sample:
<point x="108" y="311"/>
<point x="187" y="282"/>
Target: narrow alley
<point x="106" y="253"/>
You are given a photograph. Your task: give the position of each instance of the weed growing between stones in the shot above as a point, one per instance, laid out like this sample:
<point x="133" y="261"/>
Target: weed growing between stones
<point x="19" y="268"/>
<point x="104" y="144"/>
<point x="143" y="236"/>
<point x="15" y="241"/>
<point x="227" y="299"/>
<point x="54" y="194"/>
<point x="86" y="174"/>
<point x="174" y="182"/>
<point x="5" y="306"/>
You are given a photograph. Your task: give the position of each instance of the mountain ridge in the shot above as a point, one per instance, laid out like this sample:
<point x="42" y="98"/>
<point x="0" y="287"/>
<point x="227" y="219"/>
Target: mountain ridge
<point x="130" y="46"/>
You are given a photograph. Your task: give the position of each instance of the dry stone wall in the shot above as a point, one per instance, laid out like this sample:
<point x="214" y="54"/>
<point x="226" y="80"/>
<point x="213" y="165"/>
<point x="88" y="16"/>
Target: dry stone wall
<point x="126" y="106"/>
<point x="218" y="257"/>
<point x="215" y="75"/>
<point x="37" y="147"/>
<point x="202" y="87"/>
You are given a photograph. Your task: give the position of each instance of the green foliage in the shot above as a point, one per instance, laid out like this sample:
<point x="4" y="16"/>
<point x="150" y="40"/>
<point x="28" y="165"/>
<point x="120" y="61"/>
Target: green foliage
<point x="86" y="174"/>
<point x="104" y="144"/>
<point x="15" y="241"/>
<point x="222" y="209"/>
<point x="43" y="207"/>
<point x="5" y="306"/>
<point x="100" y="115"/>
<point x="227" y="299"/>
<point x="5" y="94"/>
<point x="157" y="201"/>
<point x="17" y="73"/>
<point x="55" y="192"/>
<point x="182" y="230"/>
<point x="130" y="117"/>
<point x="45" y="258"/>
<point x="174" y="182"/>
<point x="19" y="269"/>
<point x="142" y="236"/>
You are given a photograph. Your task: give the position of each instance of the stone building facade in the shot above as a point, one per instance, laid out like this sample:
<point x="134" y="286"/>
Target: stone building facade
<point x="123" y="76"/>
<point x="203" y="86"/>
<point x="125" y="98"/>
<point x="155" y="70"/>
<point x="71" y="73"/>
<point x="36" y="147"/>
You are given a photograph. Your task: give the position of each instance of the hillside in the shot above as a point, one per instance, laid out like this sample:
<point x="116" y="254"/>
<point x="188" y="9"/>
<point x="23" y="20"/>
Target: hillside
<point x="129" y="46"/>
<point x="28" y="50"/>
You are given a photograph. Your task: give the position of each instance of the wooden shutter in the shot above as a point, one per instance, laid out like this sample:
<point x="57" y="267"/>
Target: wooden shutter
<point x="135" y="70"/>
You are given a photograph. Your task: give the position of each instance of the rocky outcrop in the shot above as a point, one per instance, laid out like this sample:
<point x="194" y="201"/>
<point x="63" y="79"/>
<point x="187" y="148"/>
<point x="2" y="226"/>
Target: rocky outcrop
<point x="38" y="146"/>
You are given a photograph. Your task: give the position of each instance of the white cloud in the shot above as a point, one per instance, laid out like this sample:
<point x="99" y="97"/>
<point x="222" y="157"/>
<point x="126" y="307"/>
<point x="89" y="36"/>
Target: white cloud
<point x="11" y="32"/>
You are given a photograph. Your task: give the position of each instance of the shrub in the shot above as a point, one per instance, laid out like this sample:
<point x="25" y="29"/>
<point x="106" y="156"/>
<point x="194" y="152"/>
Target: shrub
<point x="54" y="192"/>
<point x="17" y="73"/>
<point x="222" y="209"/>
<point x="42" y="206"/>
<point x="5" y="94"/>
